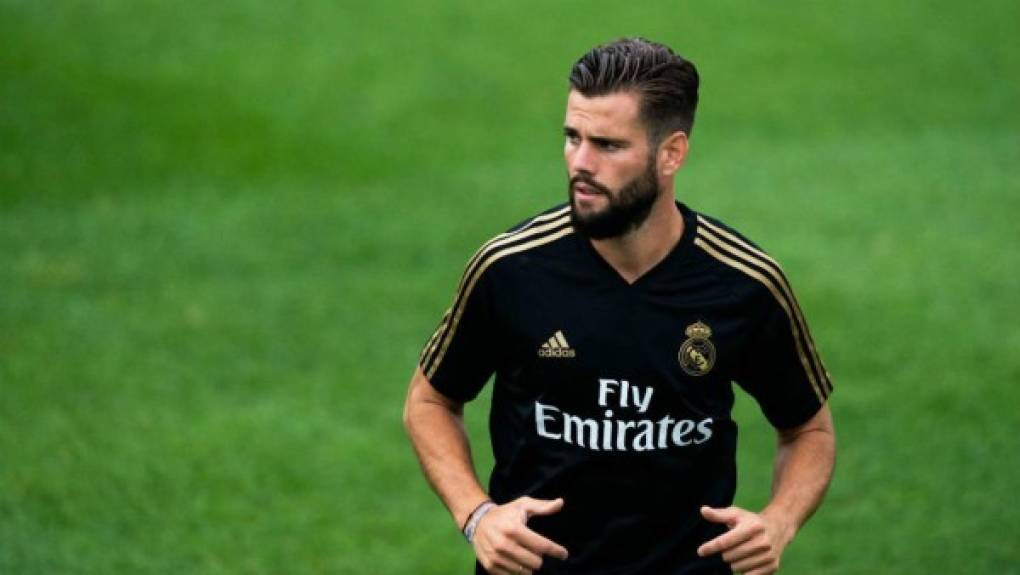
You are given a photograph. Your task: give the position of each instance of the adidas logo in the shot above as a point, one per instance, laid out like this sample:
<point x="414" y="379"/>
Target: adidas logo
<point x="557" y="346"/>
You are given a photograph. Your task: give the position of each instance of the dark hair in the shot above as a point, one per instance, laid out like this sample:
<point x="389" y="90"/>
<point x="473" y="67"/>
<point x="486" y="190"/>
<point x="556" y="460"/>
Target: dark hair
<point x="666" y="83"/>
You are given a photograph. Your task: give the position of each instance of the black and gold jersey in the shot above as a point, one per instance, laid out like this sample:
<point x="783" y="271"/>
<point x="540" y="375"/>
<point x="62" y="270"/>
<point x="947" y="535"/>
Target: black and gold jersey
<point x="616" y="396"/>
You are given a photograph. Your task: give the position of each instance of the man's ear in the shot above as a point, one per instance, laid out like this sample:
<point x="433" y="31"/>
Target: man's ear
<point x="672" y="153"/>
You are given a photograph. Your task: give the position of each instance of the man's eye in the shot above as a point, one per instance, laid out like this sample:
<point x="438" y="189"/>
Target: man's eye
<point x="609" y="146"/>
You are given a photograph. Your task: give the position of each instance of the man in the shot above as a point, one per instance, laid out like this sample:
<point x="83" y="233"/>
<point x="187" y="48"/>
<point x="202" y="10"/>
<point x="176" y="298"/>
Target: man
<point x="615" y="325"/>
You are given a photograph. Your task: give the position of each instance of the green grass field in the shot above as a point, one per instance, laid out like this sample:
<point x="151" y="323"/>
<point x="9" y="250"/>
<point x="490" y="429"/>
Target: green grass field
<point x="226" y="229"/>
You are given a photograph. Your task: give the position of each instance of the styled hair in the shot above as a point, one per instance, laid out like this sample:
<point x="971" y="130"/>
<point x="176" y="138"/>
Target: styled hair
<point x="666" y="84"/>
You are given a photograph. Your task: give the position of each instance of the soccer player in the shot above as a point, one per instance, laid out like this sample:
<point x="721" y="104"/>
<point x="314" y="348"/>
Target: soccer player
<point x="615" y="325"/>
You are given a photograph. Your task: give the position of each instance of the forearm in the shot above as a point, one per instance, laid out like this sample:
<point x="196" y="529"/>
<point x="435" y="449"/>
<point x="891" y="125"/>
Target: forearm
<point x="754" y="542"/>
<point x="804" y="462"/>
<point x="435" y="427"/>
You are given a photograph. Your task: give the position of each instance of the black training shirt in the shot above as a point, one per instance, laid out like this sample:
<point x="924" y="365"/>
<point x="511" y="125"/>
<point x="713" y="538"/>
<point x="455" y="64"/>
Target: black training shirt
<point x="616" y="396"/>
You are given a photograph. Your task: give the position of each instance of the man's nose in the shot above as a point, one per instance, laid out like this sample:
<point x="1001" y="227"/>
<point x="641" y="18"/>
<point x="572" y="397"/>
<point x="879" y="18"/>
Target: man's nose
<point x="583" y="160"/>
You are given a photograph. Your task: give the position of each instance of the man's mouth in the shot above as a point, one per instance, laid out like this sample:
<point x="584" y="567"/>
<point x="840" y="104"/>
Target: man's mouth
<point x="585" y="191"/>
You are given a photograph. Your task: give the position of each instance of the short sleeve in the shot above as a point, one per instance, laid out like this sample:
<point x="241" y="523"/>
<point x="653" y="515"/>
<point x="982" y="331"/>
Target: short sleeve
<point x="783" y="370"/>
<point x="459" y="358"/>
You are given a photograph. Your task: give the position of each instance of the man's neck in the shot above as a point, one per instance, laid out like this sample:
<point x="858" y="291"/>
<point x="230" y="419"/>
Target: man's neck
<point x="633" y="254"/>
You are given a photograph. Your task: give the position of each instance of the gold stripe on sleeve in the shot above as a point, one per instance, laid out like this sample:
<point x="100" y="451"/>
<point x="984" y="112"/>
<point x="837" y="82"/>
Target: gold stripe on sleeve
<point x="711" y="249"/>
<point x="435" y="335"/>
<point x="776" y="271"/>
<point x="440" y="340"/>
<point x="502" y="239"/>
<point x="556" y="215"/>
<point x="484" y="264"/>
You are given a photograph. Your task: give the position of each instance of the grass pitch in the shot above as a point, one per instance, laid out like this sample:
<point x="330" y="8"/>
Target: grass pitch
<point x="227" y="229"/>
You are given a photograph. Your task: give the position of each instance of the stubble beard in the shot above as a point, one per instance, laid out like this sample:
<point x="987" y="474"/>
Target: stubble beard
<point x="625" y="211"/>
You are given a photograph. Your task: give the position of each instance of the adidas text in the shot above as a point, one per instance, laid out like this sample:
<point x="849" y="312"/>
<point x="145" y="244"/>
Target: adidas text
<point x="548" y="352"/>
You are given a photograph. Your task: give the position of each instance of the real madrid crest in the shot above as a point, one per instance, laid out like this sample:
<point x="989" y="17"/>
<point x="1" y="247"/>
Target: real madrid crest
<point x="697" y="354"/>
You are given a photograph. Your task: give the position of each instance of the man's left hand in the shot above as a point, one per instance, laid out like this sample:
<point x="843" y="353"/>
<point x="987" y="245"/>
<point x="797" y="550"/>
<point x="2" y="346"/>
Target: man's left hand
<point x="754" y="542"/>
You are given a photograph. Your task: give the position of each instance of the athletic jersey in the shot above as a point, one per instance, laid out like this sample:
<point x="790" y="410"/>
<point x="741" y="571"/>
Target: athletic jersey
<point x="616" y="396"/>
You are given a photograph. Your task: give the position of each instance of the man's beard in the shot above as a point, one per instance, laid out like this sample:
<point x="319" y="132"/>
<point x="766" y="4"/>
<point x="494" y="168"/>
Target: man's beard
<point x="626" y="210"/>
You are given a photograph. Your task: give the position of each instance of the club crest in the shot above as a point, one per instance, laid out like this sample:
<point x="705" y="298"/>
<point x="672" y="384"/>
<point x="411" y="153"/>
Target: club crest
<point x="697" y="353"/>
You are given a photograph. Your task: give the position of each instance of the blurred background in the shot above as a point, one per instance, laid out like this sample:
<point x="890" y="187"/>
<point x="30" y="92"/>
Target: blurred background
<point x="226" y="230"/>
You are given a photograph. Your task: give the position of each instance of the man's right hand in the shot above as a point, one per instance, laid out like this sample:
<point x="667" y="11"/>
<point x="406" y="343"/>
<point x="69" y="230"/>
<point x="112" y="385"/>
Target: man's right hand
<point x="505" y="546"/>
